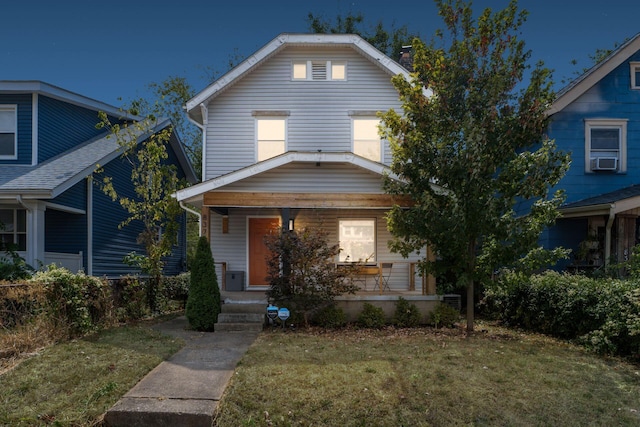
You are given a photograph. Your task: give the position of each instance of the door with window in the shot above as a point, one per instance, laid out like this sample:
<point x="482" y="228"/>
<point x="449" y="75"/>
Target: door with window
<point x="258" y="252"/>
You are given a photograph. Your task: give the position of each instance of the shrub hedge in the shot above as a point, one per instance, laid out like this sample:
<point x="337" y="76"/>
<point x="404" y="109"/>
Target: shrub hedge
<point x="602" y="314"/>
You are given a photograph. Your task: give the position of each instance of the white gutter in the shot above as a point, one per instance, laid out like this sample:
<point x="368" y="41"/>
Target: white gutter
<point x="196" y="213"/>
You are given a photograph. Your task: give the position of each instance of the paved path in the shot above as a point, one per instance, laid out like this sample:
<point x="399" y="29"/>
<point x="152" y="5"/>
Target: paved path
<point x="184" y="390"/>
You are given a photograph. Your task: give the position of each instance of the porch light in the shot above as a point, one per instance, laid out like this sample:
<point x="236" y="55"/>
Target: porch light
<point x="291" y="224"/>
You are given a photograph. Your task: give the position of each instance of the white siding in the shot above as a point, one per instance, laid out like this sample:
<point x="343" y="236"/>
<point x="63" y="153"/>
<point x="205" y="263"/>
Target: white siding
<point x="231" y="247"/>
<point x="318" y="110"/>
<point x="306" y="177"/>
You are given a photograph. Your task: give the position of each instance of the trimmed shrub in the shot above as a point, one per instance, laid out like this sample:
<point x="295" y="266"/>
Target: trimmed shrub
<point x="330" y="317"/>
<point x="443" y="315"/>
<point x="81" y="303"/>
<point x="602" y="314"/>
<point x="406" y="315"/>
<point x="176" y="288"/>
<point x="203" y="303"/>
<point x="130" y="298"/>
<point x="371" y="316"/>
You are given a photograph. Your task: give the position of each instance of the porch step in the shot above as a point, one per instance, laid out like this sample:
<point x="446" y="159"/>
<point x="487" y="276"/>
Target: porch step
<point x="233" y="307"/>
<point x="241" y="315"/>
<point x="235" y="327"/>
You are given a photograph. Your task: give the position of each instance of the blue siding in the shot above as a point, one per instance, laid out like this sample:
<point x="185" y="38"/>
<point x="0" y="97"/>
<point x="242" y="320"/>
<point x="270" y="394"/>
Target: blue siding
<point x="611" y="98"/>
<point x="24" y="102"/>
<point x="75" y="197"/>
<point x="62" y="126"/>
<point x="111" y="244"/>
<point x="66" y="232"/>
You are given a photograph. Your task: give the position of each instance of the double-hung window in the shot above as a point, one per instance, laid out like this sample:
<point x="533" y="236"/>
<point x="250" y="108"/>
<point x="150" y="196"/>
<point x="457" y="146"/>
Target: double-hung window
<point x="605" y="145"/>
<point x="8" y="132"/>
<point x="13" y="229"/>
<point x="635" y="75"/>
<point x="357" y="240"/>
<point x="366" y="140"/>
<point x="270" y="137"/>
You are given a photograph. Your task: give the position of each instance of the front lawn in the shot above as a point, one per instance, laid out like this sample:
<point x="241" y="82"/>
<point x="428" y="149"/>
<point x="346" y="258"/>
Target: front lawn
<point x="74" y="383"/>
<point x="426" y="377"/>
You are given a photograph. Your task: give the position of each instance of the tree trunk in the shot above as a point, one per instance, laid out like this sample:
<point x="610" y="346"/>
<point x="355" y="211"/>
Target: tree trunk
<point x="470" y="288"/>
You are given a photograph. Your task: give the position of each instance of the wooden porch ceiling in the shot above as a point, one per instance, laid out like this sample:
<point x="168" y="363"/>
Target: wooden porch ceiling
<point x="304" y="200"/>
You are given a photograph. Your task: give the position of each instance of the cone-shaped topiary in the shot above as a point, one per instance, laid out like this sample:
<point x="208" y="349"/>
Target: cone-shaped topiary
<point x="203" y="303"/>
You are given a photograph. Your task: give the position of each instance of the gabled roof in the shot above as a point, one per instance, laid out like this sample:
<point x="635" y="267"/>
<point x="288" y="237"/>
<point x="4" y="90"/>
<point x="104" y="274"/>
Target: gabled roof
<point x="51" y="178"/>
<point x="194" y="193"/>
<point x="613" y="202"/>
<point x="596" y="73"/>
<point x="353" y="41"/>
<point x="35" y="86"/>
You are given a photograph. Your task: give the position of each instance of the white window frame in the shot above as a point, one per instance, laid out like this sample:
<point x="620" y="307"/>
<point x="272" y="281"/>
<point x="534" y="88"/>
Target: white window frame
<point x="355" y="141"/>
<point x="634" y="71"/>
<point x="13" y="229"/>
<point x="331" y="70"/>
<point x="346" y="254"/>
<point x="10" y="128"/>
<point x="621" y="126"/>
<point x="259" y="140"/>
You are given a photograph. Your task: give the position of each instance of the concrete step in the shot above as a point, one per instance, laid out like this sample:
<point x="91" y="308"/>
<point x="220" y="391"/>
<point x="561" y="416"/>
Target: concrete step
<point x="232" y="307"/>
<point x="241" y="318"/>
<point x="235" y="327"/>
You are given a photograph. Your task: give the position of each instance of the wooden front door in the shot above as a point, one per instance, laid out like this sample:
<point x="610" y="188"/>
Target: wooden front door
<point x="258" y="252"/>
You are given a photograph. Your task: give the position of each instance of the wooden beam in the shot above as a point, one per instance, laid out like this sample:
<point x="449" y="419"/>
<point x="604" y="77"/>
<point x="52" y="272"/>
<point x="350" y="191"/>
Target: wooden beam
<point x="304" y="200"/>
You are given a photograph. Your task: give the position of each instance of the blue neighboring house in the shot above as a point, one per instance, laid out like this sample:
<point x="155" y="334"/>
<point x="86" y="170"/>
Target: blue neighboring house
<point x="49" y="150"/>
<point x="597" y="119"/>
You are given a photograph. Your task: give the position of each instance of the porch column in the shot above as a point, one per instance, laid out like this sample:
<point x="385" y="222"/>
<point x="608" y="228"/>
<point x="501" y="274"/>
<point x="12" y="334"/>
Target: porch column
<point x="35" y="232"/>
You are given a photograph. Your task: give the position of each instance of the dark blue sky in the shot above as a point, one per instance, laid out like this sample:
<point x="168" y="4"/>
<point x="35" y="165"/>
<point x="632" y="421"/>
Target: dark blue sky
<point x="113" y="49"/>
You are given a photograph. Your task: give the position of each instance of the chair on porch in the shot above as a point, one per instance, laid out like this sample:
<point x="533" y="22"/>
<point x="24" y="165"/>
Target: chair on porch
<point x="385" y="275"/>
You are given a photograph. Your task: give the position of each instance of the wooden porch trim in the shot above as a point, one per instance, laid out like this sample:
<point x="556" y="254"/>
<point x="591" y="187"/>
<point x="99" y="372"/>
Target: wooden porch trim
<point x="304" y="200"/>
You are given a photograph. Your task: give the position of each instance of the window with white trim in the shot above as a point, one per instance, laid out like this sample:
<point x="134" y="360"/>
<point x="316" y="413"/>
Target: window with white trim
<point x="13" y="229"/>
<point x="357" y="240"/>
<point x="319" y="70"/>
<point x="605" y="145"/>
<point x="270" y="137"/>
<point x="8" y="132"/>
<point x="366" y="140"/>
<point x="635" y="75"/>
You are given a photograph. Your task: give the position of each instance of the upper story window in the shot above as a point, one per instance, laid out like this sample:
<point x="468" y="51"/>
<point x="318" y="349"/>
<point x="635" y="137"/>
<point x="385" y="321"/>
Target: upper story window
<point x="357" y="240"/>
<point x="366" y="140"/>
<point x="8" y="132"/>
<point x="13" y="228"/>
<point x="605" y="145"/>
<point x="319" y="70"/>
<point x="635" y="75"/>
<point x="270" y="137"/>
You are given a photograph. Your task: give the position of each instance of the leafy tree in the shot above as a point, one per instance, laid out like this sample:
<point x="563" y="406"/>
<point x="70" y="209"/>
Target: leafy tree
<point x="153" y="180"/>
<point x="389" y="42"/>
<point x="302" y="273"/>
<point x="471" y="150"/>
<point x="203" y="302"/>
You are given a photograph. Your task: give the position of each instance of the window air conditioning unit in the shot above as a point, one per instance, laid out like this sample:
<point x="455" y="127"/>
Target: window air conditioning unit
<point x="604" y="163"/>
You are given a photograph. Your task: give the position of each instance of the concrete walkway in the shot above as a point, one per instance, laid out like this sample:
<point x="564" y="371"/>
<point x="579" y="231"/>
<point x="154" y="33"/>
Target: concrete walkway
<point x="184" y="390"/>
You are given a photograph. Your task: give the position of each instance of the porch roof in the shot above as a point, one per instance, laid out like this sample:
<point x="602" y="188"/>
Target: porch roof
<point x="610" y="203"/>
<point x="196" y="194"/>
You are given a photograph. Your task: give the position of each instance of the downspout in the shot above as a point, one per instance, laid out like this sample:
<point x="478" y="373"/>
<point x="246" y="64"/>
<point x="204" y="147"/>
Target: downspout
<point x="607" y="237"/>
<point x="203" y="127"/>
<point x="196" y="213"/>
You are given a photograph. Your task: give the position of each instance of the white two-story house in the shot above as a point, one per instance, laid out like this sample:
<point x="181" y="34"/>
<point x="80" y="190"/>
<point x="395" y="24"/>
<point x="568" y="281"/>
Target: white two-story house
<point x="290" y="138"/>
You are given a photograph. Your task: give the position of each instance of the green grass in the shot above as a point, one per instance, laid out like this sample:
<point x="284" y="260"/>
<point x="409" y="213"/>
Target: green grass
<point x="74" y="383"/>
<point x="424" y="377"/>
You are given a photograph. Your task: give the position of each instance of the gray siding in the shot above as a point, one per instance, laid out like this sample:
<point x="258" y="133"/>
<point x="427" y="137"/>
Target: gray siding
<point x="318" y="110"/>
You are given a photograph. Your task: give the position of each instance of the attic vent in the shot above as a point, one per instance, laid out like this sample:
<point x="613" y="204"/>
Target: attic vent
<point x="604" y="163"/>
<point x="319" y="70"/>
